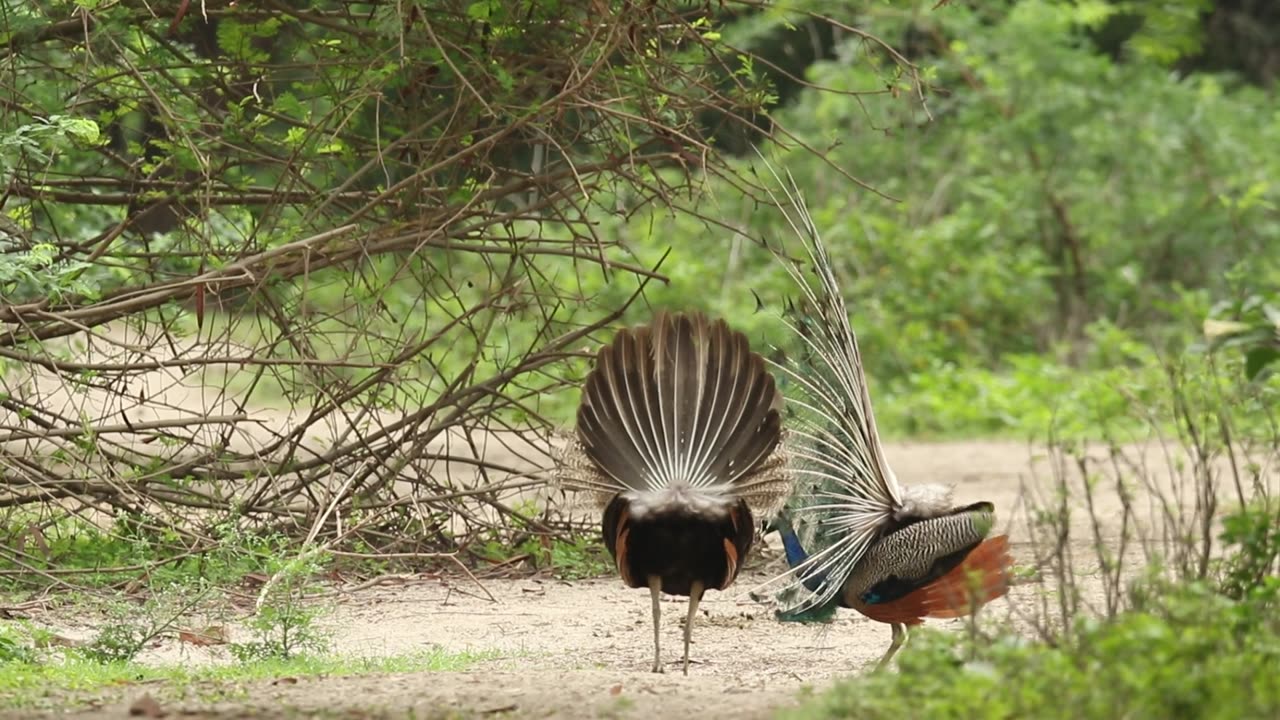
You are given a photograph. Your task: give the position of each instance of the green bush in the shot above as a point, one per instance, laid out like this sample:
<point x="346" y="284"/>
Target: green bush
<point x="1252" y="565"/>
<point x="1251" y="325"/>
<point x="1193" y="654"/>
<point x="15" y="646"/>
<point x="1054" y="199"/>
<point x="1182" y="648"/>
<point x="284" y="624"/>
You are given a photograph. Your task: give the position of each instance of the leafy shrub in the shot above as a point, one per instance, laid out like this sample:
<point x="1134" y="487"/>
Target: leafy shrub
<point x="130" y="628"/>
<point x="284" y="625"/>
<point x="1193" y="654"/>
<point x="1253" y="328"/>
<point x="282" y="630"/>
<point x="15" y="646"/>
<point x="118" y="642"/>
<point x="568" y="558"/>
<point x="1052" y="193"/>
<point x="1252" y="565"/>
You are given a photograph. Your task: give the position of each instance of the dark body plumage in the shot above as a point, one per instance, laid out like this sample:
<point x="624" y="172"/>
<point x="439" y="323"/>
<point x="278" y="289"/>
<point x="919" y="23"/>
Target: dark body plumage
<point x="710" y="553"/>
<point x="679" y="435"/>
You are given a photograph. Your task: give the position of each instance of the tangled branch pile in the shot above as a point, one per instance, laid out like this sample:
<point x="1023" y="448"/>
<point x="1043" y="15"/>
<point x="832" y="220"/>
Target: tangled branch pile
<point x="326" y="271"/>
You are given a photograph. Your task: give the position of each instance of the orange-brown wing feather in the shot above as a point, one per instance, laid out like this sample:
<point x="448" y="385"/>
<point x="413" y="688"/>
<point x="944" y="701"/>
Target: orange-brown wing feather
<point x="981" y="578"/>
<point x="737" y="545"/>
<point x="617" y="536"/>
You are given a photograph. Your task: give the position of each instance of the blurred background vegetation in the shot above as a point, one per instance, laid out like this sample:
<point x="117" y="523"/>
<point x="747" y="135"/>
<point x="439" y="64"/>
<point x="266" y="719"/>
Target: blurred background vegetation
<point x="398" y="221"/>
<point x="1072" y="189"/>
<point x="1089" y="182"/>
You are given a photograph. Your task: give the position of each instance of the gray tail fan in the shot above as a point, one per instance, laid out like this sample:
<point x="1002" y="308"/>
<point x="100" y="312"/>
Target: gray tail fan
<point x="682" y="403"/>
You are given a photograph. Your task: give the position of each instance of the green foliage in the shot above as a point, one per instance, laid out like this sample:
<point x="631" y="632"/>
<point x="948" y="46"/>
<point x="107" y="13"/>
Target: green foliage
<point x="1059" y="211"/>
<point x="565" y="559"/>
<point x="568" y="558"/>
<point x="63" y="682"/>
<point x="106" y="556"/>
<point x="16" y="645"/>
<point x="284" y="624"/>
<point x="44" y="138"/>
<point x="1030" y="397"/>
<point x="119" y="641"/>
<point x="37" y="273"/>
<point x="1252" y="326"/>
<point x="1056" y="188"/>
<point x="1167" y="31"/>
<point x="281" y="630"/>
<point x="1192" y="653"/>
<point x="1123" y="389"/>
<point x="131" y="627"/>
<point x="1252" y="565"/>
<point x="579" y="558"/>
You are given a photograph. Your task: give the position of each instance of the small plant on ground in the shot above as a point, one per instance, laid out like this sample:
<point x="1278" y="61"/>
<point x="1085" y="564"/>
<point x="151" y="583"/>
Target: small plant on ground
<point x="16" y="646"/>
<point x="573" y="557"/>
<point x="579" y="558"/>
<point x="284" y="625"/>
<point x="131" y="628"/>
<point x="1252" y="565"/>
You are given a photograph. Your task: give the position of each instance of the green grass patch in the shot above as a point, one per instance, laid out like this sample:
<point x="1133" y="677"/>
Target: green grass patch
<point x="104" y="556"/>
<point x="574" y="559"/>
<point x="29" y="684"/>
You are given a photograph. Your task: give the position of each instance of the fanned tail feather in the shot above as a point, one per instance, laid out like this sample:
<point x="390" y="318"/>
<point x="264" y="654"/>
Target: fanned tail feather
<point x="680" y="410"/>
<point x="983" y="576"/>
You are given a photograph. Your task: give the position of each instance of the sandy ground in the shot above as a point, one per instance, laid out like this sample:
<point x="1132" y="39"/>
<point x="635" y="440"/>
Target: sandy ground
<point x="582" y="649"/>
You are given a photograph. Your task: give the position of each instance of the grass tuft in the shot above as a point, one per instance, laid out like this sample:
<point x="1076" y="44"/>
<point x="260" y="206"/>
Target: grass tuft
<point x="47" y="685"/>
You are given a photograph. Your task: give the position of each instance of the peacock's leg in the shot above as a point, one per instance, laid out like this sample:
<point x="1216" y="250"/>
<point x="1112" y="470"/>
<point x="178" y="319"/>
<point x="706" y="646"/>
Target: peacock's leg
<point x="899" y="638"/>
<point x="655" y="588"/>
<point x="695" y="595"/>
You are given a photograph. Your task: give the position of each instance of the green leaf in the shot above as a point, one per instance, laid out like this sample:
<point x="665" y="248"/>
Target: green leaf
<point x="481" y="10"/>
<point x="1257" y="360"/>
<point x="82" y="129"/>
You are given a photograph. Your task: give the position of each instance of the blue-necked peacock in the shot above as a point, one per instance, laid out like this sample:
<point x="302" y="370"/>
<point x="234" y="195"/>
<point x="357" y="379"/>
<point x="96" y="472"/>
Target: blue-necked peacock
<point x="852" y="535"/>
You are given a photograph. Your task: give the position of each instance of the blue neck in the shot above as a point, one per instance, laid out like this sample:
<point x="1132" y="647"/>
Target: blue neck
<point x="795" y="552"/>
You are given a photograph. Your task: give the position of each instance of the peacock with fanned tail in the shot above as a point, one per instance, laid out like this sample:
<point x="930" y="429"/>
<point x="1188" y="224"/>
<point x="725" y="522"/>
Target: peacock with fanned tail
<point x="854" y="537"/>
<point x="679" y="437"/>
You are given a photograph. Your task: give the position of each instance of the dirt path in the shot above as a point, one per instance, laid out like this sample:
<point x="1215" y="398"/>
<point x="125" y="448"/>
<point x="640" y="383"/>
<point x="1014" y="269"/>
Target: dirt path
<point x="582" y="649"/>
<point x="565" y="650"/>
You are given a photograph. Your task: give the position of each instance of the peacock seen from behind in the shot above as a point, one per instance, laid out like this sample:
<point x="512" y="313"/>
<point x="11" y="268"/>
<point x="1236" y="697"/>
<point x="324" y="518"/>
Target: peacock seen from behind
<point x="853" y="537"/>
<point x="679" y="437"/>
